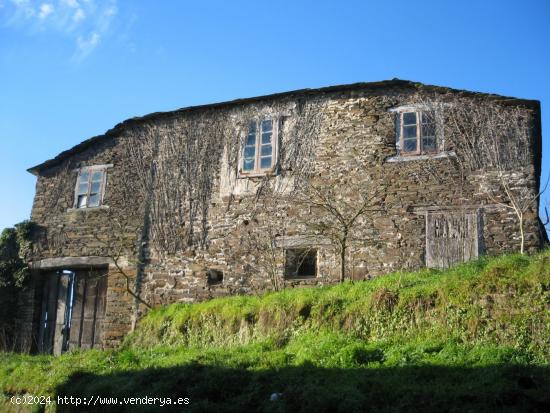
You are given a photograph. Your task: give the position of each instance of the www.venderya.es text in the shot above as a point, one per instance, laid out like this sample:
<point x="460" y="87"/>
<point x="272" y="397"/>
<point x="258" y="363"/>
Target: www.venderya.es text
<point x="99" y="400"/>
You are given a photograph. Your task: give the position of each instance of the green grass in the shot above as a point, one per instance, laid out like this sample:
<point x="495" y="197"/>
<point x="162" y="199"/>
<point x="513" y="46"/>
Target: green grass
<point x="473" y="338"/>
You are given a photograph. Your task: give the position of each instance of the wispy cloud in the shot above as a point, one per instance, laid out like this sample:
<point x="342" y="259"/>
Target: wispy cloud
<point x="85" y="22"/>
<point x="45" y="10"/>
<point x="87" y="44"/>
<point x="78" y="15"/>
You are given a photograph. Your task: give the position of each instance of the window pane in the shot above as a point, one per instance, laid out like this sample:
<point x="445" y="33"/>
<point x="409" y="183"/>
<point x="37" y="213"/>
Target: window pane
<point x="266" y="138"/>
<point x="409" y="132"/>
<point x="248" y="164"/>
<point x="429" y="144"/>
<point x="409" y="118"/>
<point x="81" y="202"/>
<point x="96" y="176"/>
<point x="95" y="187"/>
<point x="251" y="139"/>
<point x="84" y="177"/>
<point x="82" y="189"/>
<point x="265" y="162"/>
<point x="409" y="145"/>
<point x="94" y="200"/>
<point x="266" y="150"/>
<point x="249" y="151"/>
<point x="267" y="125"/>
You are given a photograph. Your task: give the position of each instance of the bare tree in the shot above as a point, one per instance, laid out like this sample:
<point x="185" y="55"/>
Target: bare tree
<point x="520" y="199"/>
<point x="338" y="214"/>
<point x="262" y="244"/>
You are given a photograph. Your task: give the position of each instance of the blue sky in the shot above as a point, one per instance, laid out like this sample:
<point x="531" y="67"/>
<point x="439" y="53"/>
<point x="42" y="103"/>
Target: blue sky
<point x="71" y="69"/>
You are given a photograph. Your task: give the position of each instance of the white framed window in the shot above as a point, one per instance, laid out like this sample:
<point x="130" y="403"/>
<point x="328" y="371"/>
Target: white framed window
<point x="415" y="132"/>
<point x="259" y="149"/>
<point x="90" y="186"/>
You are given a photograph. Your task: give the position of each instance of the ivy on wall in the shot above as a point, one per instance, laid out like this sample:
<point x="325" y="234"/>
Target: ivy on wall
<point x="15" y="245"/>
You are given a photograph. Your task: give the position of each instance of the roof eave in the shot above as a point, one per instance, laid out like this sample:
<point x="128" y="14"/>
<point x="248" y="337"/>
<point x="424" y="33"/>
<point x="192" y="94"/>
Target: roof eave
<point x="35" y="170"/>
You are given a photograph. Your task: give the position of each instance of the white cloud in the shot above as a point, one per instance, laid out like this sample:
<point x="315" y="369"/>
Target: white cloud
<point x="45" y="10"/>
<point x="87" y="44"/>
<point x="85" y="22"/>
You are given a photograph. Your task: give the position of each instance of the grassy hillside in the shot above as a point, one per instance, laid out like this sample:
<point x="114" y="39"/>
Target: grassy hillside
<point x="474" y="338"/>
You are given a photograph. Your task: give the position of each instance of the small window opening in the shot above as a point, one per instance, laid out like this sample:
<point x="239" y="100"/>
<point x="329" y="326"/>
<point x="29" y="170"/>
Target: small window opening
<point x="300" y="262"/>
<point x="215" y="277"/>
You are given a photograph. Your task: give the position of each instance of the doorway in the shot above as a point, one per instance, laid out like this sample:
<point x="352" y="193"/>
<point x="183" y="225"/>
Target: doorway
<point x="73" y="309"/>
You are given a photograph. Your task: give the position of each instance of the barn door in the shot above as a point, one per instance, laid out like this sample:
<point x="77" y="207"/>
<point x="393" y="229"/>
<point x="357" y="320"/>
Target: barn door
<point x="73" y="309"/>
<point x="88" y="309"/>
<point x="452" y="237"/>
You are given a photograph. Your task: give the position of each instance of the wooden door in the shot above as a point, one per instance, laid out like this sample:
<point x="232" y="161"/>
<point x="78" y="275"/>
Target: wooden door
<point x="452" y="237"/>
<point x="55" y="314"/>
<point x="48" y="312"/>
<point x="88" y="309"/>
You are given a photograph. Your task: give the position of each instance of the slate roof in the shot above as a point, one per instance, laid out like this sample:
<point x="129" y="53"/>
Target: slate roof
<point x="35" y="170"/>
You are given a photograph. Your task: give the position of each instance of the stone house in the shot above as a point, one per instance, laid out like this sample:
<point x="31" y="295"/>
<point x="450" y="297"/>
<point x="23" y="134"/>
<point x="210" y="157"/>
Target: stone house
<point x="253" y="194"/>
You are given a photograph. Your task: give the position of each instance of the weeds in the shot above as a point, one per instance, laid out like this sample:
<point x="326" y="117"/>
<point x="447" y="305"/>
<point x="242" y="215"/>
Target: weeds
<point x="474" y="337"/>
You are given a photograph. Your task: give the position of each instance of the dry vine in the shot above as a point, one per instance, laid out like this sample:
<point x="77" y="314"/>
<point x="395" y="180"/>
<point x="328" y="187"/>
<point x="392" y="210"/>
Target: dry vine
<point x="495" y="139"/>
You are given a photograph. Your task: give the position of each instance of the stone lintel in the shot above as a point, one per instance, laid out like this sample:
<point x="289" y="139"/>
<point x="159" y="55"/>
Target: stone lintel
<point x="301" y="241"/>
<point x="69" y="262"/>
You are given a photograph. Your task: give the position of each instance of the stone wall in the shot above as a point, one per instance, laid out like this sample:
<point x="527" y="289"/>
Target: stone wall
<point x="111" y="231"/>
<point x="237" y="221"/>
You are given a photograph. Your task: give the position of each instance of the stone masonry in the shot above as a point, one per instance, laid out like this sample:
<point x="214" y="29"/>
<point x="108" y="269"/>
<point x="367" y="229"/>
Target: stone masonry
<point x="180" y="223"/>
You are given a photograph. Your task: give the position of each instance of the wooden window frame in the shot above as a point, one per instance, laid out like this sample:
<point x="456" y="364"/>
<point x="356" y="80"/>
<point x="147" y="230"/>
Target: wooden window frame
<point x="419" y="144"/>
<point x="258" y="170"/>
<point x="91" y="170"/>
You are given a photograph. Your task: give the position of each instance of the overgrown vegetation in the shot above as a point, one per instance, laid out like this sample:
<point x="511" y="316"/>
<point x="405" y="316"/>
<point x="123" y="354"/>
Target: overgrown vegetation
<point x="473" y="338"/>
<point x="14" y="246"/>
